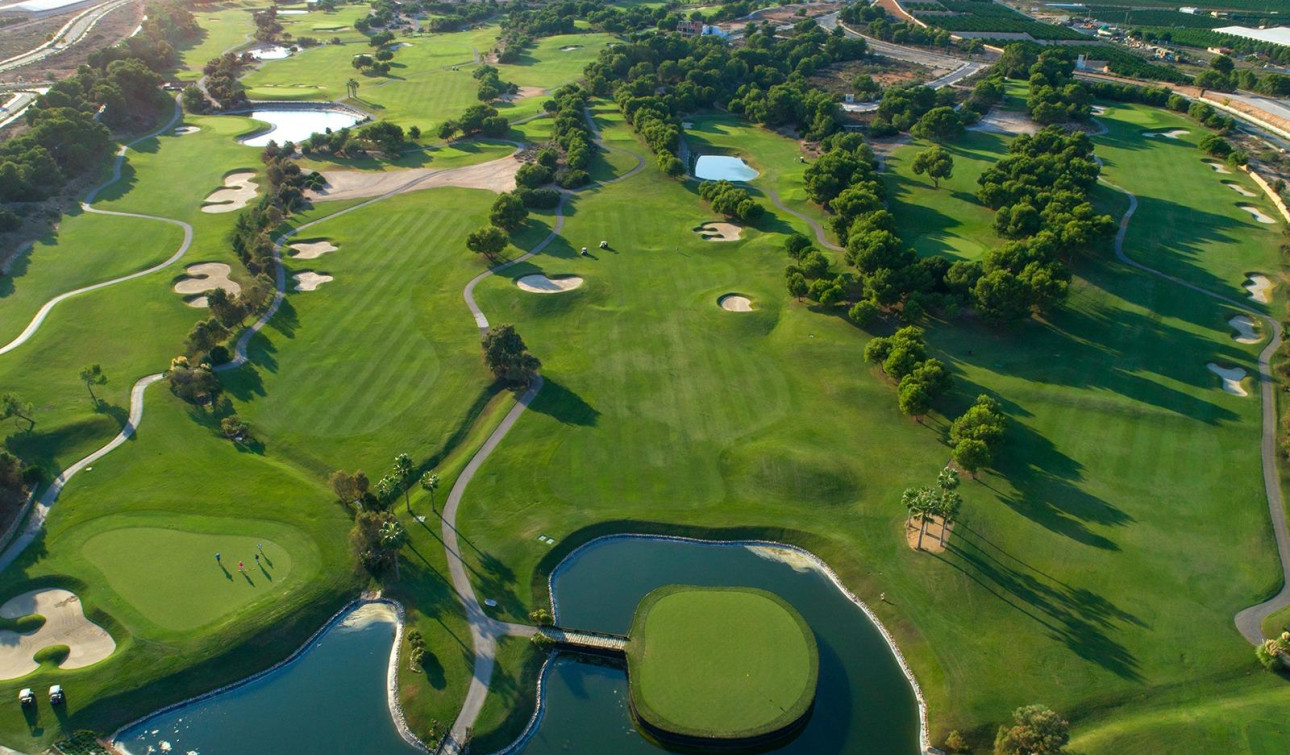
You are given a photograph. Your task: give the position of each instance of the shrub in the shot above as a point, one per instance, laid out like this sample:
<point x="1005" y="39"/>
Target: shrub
<point x="541" y="199"/>
<point x="533" y="175"/>
<point x="9" y="221"/>
<point x="53" y="654"/>
<point x="572" y="179"/>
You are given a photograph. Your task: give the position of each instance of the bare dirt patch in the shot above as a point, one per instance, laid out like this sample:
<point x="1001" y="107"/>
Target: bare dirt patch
<point x="735" y="303"/>
<point x="719" y="231"/>
<point x="310" y="281"/>
<point x="239" y="189"/>
<point x="1006" y="122"/>
<point x="204" y="277"/>
<point x="65" y="624"/>
<point x="494" y="175"/>
<point x="931" y="536"/>
<point x="311" y="250"/>
<point x="540" y="284"/>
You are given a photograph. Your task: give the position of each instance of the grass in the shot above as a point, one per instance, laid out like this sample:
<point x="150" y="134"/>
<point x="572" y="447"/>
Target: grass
<point x="703" y="418"/>
<point x="52" y="655"/>
<point x="22" y="624"/>
<point x="140" y="562"/>
<point x="720" y="663"/>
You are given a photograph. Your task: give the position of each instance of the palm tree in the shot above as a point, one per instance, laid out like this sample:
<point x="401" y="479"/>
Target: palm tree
<point x="403" y="469"/>
<point x="921" y="503"/>
<point x="351" y="87"/>
<point x="430" y="483"/>
<point x="948" y="479"/>
<point x="92" y="376"/>
<point x="393" y="536"/>
<point x="948" y="510"/>
<point x="386" y="488"/>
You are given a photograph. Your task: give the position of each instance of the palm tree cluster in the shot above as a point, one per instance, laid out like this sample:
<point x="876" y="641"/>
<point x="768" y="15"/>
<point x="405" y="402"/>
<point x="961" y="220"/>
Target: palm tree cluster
<point x="941" y="501"/>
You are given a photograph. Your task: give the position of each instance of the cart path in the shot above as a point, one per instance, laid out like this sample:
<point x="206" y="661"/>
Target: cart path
<point x="44" y="311"/>
<point x="820" y="236"/>
<point x="1248" y="621"/>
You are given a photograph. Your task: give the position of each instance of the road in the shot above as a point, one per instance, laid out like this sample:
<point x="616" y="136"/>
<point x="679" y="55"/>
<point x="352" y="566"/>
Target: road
<point x="72" y="33"/>
<point x="960" y="69"/>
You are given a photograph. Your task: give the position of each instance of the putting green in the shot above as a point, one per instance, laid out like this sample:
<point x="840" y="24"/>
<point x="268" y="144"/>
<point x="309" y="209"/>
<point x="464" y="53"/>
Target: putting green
<point x="171" y="577"/>
<point x="720" y="663"/>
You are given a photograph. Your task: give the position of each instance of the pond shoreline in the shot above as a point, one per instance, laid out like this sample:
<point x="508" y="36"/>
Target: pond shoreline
<point x="392" y="676"/>
<point x="924" y="735"/>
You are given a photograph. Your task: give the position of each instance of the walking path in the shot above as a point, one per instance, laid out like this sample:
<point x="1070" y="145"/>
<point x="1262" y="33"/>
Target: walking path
<point x="1249" y="621"/>
<point x="44" y="311"/>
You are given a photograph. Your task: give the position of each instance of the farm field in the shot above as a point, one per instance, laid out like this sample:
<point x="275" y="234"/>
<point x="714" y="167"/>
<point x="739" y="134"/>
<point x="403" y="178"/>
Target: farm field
<point x="1095" y="567"/>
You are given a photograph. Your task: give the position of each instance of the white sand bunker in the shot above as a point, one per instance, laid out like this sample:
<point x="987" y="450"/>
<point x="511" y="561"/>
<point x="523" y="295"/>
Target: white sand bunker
<point x="1006" y="122"/>
<point x="1257" y="213"/>
<point x="203" y="277"/>
<point x="310" y="281"/>
<point x="65" y="624"/>
<point x="570" y="48"/>
<point x="1171" y="134"/>
<point x="735" y="303"/>
<point x="1232" y="377"/>
<point x="311" y="250"/>
<point x="186" y="130"/>
<point x="1258" y="286"/>
<point x="1244" y="327"/>
<point x="239" y="188"/>
<point x="495" y="175"/>
<point x="523" y="93"/>
<point x="1239" y="189"/>
<point x="717" y="231"/>
<point x="540" y="284"/>
<point x="1218" y="167"/>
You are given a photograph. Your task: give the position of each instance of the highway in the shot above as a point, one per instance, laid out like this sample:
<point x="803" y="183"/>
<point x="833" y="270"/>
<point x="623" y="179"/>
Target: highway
<point x="72" y="33"/>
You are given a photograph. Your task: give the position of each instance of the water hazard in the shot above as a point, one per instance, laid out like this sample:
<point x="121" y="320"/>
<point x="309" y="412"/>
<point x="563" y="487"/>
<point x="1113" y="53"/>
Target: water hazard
<point x="287" y="125"/>
<point x="722" y="167"/>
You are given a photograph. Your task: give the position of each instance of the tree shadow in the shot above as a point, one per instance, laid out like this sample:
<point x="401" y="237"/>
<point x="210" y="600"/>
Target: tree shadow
<point x="563" y="405"/>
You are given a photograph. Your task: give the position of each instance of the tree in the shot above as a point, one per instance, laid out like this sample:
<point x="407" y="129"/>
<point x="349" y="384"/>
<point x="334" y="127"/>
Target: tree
<point x="1036" y="730"/>
<point x="13" y="407"/>
<point x="507" y="356"/>
<point x="941" y="124"/>
<point x="509" y="212"/>
<point x="342" y="484"/>
<point x="921" y="503"/>
<point x="387" y="488"/>
<point x="797" y="285"/>
<point x="403" y="470"/>
<point x="430" y="483"/>
<point x="1001" y="297"/>
<point x="914" y="399"/>
<point x="392" y="537"/>
<point x="488" y="241"/>
<point x="936" y="163"/>
<point x="92" y="376"/>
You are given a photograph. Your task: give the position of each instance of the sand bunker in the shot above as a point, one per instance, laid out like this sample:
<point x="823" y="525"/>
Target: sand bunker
<point x="495" y="175"/>
<point x="1218" y="167"/>
<point x="540" y="284"/>
<point x="1244" y="327"/>
<point x="1257" y="213"/>
<point x="1172" y="134"/>
<point x="570" y="48"/>
<point x="203" y="277"/>
<point x="1239" y="189"/>
<point x="717" y="231"/>
<point x="735" y="303"/>
<point x="65" y="624"/>
<point x="523" y="93"/>
<point x="186" y="130"/>
<point x="310" y="281"/>
<point x="1006" y="122"/>
<point x="1232" y="377"/>
<point x="311" y="250"/>
<point x="239" y="188"/>
<point x="1258" y="286"/>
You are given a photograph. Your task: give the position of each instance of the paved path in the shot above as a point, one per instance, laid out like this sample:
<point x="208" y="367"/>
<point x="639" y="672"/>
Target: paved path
<point x="821" y="237"/>
<point x="44" y="311"/>
<point x="1250" y="620"/>
<point x="36" y="520"/>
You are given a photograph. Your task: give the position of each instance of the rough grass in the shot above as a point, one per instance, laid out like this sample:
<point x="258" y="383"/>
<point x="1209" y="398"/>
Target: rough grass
<point x="720" y="663"/>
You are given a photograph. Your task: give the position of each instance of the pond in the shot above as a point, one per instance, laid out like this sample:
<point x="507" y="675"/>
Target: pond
<point x="294" y="125"/>
<point x="723" y="167"/>
<point x="864" y="703"/>
<point x="277" y="52"/>
<point x="332" y="699"/>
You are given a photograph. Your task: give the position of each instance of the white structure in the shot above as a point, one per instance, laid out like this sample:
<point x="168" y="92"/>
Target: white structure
<point x="1277" y="34"/>
<point x="46" y="8"/>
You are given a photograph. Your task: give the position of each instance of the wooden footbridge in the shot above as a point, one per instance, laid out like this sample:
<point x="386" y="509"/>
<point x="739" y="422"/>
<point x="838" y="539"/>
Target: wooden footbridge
<point x="585" y="641"/>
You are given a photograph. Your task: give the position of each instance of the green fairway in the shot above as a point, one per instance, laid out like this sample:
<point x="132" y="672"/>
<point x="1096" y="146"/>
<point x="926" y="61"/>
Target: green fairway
<point x="171" y="576"/>
<point x="720" y="663"/>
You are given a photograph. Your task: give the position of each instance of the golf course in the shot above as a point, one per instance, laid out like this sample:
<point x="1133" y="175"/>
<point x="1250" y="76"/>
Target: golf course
<point x="555" y="426"/>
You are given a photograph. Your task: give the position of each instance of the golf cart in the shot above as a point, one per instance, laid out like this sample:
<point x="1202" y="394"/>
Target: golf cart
<point x="56" y="694"/>
<point x="27" y="697"/>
